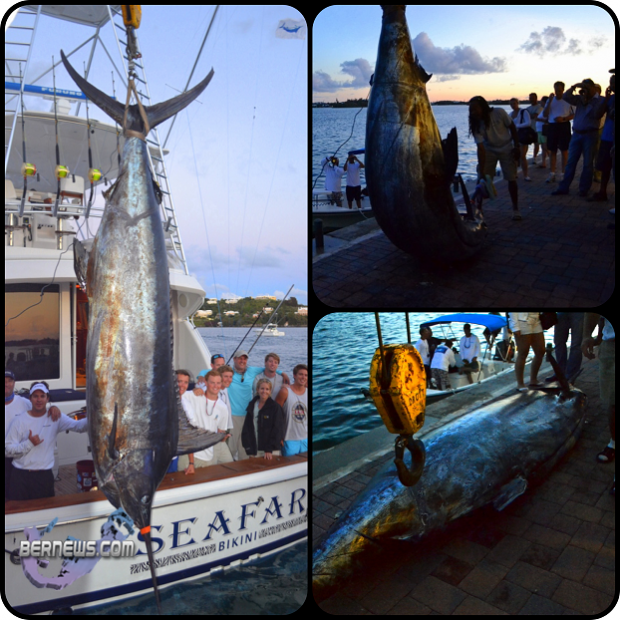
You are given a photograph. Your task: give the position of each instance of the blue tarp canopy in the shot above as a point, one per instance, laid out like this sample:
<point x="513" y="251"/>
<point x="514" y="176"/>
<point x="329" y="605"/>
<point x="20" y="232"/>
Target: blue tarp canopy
<point x="492" y="321"/>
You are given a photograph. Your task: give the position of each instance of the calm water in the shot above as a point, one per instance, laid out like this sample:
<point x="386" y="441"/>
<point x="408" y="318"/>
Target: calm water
<point x="292" y="348"/>
<point x="276" y="585"/>
<point x="332" y="126"/>
<point x="343" y="346"/>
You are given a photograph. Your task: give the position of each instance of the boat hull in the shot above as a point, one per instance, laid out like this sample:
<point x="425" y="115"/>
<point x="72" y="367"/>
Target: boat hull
<point x="197" y="528"/>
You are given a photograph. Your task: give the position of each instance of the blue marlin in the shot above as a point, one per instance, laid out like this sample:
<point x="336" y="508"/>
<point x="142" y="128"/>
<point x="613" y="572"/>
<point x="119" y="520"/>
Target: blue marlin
<point x="408" y="170"/>
<point x="136" y="423"/>
<point x="489" y="455"/>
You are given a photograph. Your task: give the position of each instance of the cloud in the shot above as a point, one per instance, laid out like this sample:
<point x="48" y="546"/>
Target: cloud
<point x="553" y="40"/>
<point x="462" y="59"/>
<point x="359" y="69"/>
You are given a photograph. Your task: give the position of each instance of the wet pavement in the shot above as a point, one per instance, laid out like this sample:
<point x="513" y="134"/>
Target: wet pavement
<point x="552" y="551"/>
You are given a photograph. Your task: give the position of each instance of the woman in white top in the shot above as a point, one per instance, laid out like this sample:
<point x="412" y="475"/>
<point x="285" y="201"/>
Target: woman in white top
<point x="528" y="333"/>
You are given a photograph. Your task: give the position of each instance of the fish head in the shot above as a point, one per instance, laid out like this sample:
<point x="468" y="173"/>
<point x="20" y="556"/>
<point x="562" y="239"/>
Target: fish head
<point x="384" y="512"/>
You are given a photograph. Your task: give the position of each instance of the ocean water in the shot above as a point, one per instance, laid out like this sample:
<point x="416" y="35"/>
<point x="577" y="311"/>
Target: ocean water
<point x="292" y="347"/>
<point x="333" y="126"/>
<point x="275" y="585"/>
<point x="342" y="348"/>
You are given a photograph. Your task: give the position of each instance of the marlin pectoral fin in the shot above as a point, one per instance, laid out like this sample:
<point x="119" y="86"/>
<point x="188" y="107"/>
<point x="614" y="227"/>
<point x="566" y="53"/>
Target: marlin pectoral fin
<point x="192" y="439"/>
<point x="450" y="149"/>
<point x="112" y="451"/>
<point x="509" y="492"/>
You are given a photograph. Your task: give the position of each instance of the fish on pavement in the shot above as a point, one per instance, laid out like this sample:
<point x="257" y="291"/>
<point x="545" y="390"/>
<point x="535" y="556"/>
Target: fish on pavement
<point x="136" y="423"/>
<point x="489" y="455"/>
<point x="408" y="171"/>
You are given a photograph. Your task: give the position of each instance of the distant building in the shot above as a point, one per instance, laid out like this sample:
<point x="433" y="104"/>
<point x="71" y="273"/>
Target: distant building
<point x="212" y="301"/>
<point x="267" y="310"/>
<point x="203" y="313"/>
<point x="265" y="297"/>
<point x="230" y="301"/>
<point x="302" y="310"/>
<point x="230" y="312"/>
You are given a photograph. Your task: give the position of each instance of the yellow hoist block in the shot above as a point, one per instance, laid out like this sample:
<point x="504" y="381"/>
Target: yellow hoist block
<point x="402" y="401"/>
<point x="132" y="14"/>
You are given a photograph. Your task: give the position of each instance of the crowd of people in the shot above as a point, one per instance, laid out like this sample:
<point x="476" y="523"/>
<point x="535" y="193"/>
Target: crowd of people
<point x="505" y="137"/>
<point x="258" y="410"/>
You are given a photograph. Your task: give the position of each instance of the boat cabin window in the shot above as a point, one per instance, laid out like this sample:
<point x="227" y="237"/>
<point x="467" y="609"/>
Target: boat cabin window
<point x="32" y="338"/>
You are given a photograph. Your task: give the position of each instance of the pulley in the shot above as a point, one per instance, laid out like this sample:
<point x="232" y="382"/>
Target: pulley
<point x="398" y="390"/>
<point x="132" y="14"/>
<point x="401" y="398"/>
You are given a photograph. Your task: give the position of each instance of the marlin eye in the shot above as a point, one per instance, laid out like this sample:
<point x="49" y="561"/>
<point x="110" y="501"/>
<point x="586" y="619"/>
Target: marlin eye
<point x="145" y="499"/>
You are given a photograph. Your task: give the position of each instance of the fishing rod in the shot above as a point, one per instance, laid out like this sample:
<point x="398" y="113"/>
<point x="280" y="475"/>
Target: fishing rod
<point x="93" y="173"/>
<point x="275" y="312"/>
<point x="60" y="172"/>
<point x="27" y="169"/>
<point x="246" y="335"/>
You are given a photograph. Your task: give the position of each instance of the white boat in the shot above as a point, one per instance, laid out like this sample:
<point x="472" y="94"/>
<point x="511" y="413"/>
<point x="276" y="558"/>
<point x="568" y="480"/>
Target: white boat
<point x="221" y="516"/>
<point x="491" y="364"/>
<point x="271" y="329"/>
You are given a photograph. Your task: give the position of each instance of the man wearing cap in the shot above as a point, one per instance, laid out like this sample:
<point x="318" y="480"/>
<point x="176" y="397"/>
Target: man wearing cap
<point x="15" y="405"/>
<point x="30" y="442"/>
<point x="587" y="122"/>
<point x="240" y="394"/>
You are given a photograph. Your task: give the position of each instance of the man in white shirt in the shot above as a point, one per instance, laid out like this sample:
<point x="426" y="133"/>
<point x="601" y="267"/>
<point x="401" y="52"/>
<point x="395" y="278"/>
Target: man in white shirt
<point x="212" y="414"/>
<point x="470" y="350"/>
<point x="30" y="442"/>
<point x="440" y="364"/>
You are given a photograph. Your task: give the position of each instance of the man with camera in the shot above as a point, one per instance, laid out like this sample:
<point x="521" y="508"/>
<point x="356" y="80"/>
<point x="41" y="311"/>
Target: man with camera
<point x="586" y="125"/>
<point x="333" y="178"/>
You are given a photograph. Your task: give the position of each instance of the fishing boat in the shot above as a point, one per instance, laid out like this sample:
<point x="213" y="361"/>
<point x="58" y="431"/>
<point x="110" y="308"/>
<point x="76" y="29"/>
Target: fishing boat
<point x="219" y="517"/>
<point x="493" y="362"/>
<point x="271" y="329"/>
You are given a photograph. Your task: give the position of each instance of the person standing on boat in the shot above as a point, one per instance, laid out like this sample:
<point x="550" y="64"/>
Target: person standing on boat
<point x="15" y="405"/>
<point x="440" y="364"/>
<point x="470" y="350"/>
<point x="210" y="413"/>
<point x="423" y="347"/>
<point x="264" y="426"/>
<point x="240" y="394"/>
<point x="226" y="372"/>
<point x="30" y="442"/>
<point x="294" y="402"/>
<point x="272" y="361"/>
<point x="354" y="185"/>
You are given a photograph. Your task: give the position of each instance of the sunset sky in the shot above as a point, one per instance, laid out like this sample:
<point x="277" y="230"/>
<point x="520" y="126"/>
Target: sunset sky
<point x="494" y="51"/>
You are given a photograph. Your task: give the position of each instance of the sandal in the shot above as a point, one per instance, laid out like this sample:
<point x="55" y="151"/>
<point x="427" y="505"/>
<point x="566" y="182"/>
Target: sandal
<point x="607" y="455"/>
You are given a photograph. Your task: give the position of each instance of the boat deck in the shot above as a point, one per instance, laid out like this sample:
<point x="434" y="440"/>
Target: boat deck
<point x="67" y="494"/>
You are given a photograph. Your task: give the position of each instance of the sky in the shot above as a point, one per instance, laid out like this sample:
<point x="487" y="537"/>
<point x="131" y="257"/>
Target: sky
<point x="247" y="167"/>
<point x="497" y="51"/>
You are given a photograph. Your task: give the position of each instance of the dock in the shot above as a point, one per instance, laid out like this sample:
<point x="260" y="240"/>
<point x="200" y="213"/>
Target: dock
<point x="561" y="254"/>
<point x="550" y="552"/>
